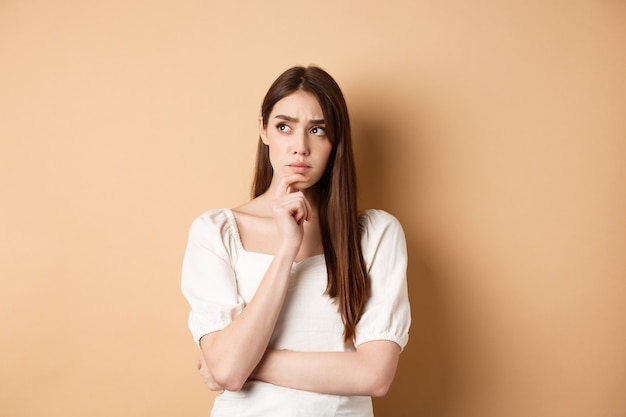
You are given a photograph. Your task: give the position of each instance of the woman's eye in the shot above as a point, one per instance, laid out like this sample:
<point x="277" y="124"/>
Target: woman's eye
<point x="318" y="131"/>
<point x="283" y="127"/>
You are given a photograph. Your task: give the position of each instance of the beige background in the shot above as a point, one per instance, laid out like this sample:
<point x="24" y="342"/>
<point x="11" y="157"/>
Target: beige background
<point x="494" y="130"/>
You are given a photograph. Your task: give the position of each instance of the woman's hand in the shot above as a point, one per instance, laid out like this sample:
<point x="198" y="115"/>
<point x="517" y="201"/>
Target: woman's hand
<point x="208" y="379"/>
<point x="291" y="209"/>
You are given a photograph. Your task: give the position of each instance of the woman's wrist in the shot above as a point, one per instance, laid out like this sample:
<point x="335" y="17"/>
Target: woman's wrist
<point x="288" y="252"/>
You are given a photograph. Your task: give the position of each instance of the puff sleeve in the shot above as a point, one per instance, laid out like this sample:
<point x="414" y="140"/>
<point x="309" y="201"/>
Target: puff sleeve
<point x="208" y="279"/>
<point x="387" y="314"/>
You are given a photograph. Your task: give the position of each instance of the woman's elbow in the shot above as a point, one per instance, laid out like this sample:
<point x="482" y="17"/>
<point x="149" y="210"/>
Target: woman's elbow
<point x="234" y="385"/>
<point x="229" y="380"/>
<point x="220" y="370"/>
<point x="381" y="362"/>
<point x="380" y="383"/>
<point x="380" y="387"/>
<point x="218" y="375"/>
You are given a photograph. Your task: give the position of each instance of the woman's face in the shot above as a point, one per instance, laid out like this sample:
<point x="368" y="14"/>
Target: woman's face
<point x="296" y="135"/>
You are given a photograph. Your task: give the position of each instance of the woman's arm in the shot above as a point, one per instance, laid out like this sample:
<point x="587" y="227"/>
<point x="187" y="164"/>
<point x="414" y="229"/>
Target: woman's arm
<point x="231" y="354"/>
<point x="381" y="333"/>
<point x="367" y="371"/>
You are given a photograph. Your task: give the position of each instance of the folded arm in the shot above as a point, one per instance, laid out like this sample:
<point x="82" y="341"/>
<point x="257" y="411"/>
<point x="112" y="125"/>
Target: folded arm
<point x="367" y="371"/>
<point x="232" y="354"/>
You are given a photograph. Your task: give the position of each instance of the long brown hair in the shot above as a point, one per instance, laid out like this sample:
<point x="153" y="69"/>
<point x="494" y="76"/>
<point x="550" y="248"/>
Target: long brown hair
<point x="337" y="190"/>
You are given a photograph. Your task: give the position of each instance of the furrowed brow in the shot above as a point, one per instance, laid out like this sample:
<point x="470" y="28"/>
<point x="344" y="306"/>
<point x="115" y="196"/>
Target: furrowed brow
<point x="286" y="118"/>
<point x="296" y="120"/>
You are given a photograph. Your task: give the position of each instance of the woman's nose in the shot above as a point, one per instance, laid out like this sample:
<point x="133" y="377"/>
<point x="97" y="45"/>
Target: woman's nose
<point x="301" y="146"/>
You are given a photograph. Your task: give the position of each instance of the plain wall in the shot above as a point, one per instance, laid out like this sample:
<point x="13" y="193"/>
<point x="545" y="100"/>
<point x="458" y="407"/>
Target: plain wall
<point x="494" y="130"/>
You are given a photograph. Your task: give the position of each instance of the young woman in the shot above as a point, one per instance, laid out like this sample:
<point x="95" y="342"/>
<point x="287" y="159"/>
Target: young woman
<point x="298" y="302"/>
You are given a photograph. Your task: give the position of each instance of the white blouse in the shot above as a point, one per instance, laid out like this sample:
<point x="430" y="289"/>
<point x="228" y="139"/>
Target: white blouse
<point x="220" y="277"/>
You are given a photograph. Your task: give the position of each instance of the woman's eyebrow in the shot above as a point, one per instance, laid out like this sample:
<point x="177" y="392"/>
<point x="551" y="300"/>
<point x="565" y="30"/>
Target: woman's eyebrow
<point x="286" y="118"/>
<point x="296" y="120"/>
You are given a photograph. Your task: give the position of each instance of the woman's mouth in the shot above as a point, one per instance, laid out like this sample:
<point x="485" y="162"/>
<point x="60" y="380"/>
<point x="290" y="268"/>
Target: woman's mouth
<point x="299" y="167"/>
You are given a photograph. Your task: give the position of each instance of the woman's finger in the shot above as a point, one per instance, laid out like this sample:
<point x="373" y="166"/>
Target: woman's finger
<point x="289" y="184"/>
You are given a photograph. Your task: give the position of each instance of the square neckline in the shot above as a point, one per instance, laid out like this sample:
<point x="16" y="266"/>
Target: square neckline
<point x="232" y="219"/>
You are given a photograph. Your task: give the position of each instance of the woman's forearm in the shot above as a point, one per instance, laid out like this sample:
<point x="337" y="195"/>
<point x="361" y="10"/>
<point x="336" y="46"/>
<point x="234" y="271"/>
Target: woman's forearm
<point x="368" y="371"/>
<point x="232" y="353"/>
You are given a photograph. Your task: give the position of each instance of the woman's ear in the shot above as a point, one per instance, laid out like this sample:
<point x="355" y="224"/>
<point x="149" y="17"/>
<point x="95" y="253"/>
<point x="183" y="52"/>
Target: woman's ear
<point x="262" y="131"/>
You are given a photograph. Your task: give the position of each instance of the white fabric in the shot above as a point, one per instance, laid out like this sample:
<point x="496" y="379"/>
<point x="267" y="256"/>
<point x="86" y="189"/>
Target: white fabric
<point x="220" y="277"/>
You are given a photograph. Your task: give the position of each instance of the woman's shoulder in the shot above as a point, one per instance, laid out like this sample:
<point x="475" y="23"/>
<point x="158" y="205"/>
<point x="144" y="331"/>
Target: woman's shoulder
<point x="378" y="226"/>
<point x="216" y="226"/>
<point x="215" y="217"/>
<point x="377" y="219"/>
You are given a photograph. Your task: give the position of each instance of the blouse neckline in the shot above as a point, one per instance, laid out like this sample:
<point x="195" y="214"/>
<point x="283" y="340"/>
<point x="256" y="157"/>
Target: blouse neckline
<point x="232" y="220"/>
